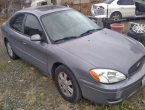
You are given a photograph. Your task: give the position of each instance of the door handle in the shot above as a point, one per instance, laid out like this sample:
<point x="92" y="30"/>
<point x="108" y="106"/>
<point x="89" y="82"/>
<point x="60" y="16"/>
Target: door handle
<point x="24" y="43"/>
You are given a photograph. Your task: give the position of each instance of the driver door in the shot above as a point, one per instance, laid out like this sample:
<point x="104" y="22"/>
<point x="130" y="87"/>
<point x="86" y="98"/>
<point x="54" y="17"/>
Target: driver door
<point x="127" y="7"/>
<point x="35" y="51"/>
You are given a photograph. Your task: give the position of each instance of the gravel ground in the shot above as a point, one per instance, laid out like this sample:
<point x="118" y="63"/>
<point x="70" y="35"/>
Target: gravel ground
<point x="23" y="87"/>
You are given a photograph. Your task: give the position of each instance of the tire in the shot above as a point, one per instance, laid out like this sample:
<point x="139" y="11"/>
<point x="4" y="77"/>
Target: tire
<point x="116" y="16"/>
<point x="67" y="84"/>
<point x="10" y="51"/>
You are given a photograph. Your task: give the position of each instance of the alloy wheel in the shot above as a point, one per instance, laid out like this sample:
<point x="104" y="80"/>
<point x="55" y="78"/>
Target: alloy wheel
<point x="65" y="84"/>
<point x="116" y="17"/>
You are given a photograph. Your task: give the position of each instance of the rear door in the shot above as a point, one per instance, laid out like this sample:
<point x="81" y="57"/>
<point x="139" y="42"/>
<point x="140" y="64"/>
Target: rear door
<point x="35" y="51"/>
<point x="127" y="7"/>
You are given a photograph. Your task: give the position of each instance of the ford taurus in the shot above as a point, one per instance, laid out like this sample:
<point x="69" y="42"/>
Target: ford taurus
<point x="83" y="59"/>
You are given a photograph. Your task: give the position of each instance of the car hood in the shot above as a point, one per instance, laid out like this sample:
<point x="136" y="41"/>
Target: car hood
<point x="106" y="49"/>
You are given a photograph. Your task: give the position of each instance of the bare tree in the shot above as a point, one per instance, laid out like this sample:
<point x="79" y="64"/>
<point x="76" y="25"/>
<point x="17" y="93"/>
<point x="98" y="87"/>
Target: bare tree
<point x="8" y="7"/>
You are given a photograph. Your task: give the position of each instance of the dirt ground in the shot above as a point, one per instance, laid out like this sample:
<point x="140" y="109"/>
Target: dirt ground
<point x="23" y="87"/>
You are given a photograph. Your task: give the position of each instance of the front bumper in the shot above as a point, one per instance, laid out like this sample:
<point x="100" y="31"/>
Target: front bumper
<point x="113" y="93"/>
<point x="99" y="16"/>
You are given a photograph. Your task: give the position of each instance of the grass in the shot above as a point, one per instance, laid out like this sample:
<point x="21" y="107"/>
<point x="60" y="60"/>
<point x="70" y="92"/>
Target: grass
<point x="23" y="87"/>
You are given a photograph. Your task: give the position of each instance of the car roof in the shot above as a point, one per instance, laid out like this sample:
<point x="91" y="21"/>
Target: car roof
<point x="42" y="10"/>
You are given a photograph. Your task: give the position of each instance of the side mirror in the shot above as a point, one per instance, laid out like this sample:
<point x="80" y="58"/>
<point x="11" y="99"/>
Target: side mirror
<point x="36" y="37"/>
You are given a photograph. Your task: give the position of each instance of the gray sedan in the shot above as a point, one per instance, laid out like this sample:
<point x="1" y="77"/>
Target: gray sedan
<point x="83" y="59"/>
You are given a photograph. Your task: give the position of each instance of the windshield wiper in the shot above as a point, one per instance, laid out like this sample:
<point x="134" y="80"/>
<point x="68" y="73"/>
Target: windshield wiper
<point x="90" y="32"/>
<point x="66" y="38"/>
<point x="74" y="37"/>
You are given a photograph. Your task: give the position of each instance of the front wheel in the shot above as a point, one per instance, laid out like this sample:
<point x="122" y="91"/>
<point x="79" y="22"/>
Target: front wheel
<point x="67" y="84"/>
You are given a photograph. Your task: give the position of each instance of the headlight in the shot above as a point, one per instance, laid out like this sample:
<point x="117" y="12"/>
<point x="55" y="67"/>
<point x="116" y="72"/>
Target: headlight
<point x="107" y="75"/>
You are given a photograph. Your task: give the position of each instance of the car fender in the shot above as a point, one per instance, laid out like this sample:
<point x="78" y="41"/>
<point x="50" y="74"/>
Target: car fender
<point x="79" y="67"/>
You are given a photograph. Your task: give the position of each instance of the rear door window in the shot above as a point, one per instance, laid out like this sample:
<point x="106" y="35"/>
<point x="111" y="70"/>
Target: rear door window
<point x="43" y="3"/>
<point x="17" y="22"/>
<point x="125" y="2"/>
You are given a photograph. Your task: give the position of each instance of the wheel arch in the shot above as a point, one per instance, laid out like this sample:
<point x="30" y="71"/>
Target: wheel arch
<point x="54" y="66"/>
<point x="57" y="64"/>
<point x="5" y="40"/>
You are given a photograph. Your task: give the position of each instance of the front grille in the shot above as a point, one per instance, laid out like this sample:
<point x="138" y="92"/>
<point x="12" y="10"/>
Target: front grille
<point x="136" y="67"/>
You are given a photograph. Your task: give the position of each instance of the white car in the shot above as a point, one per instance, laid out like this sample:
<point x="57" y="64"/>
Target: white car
<point x="39" y="3"/>
<point x="117" y="9"/>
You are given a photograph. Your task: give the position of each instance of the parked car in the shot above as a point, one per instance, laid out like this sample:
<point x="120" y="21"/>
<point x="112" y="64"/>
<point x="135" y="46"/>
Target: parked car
<point x="137" y="31"/>
<point x="39" y="3"/>
<point x="83" y="59"/>
<point x="118" y="9"/>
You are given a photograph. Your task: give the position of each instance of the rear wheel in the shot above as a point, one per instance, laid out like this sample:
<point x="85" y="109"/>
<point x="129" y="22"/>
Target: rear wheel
<point x="67" y="84"/>
<point x="116" y="16"/>
<point x="11" y="53"/>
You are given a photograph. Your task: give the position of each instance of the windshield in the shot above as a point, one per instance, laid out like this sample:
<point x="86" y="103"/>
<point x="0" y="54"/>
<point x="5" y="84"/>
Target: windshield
<point x="68" y="23"/>
<point x="108" y="1"/>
